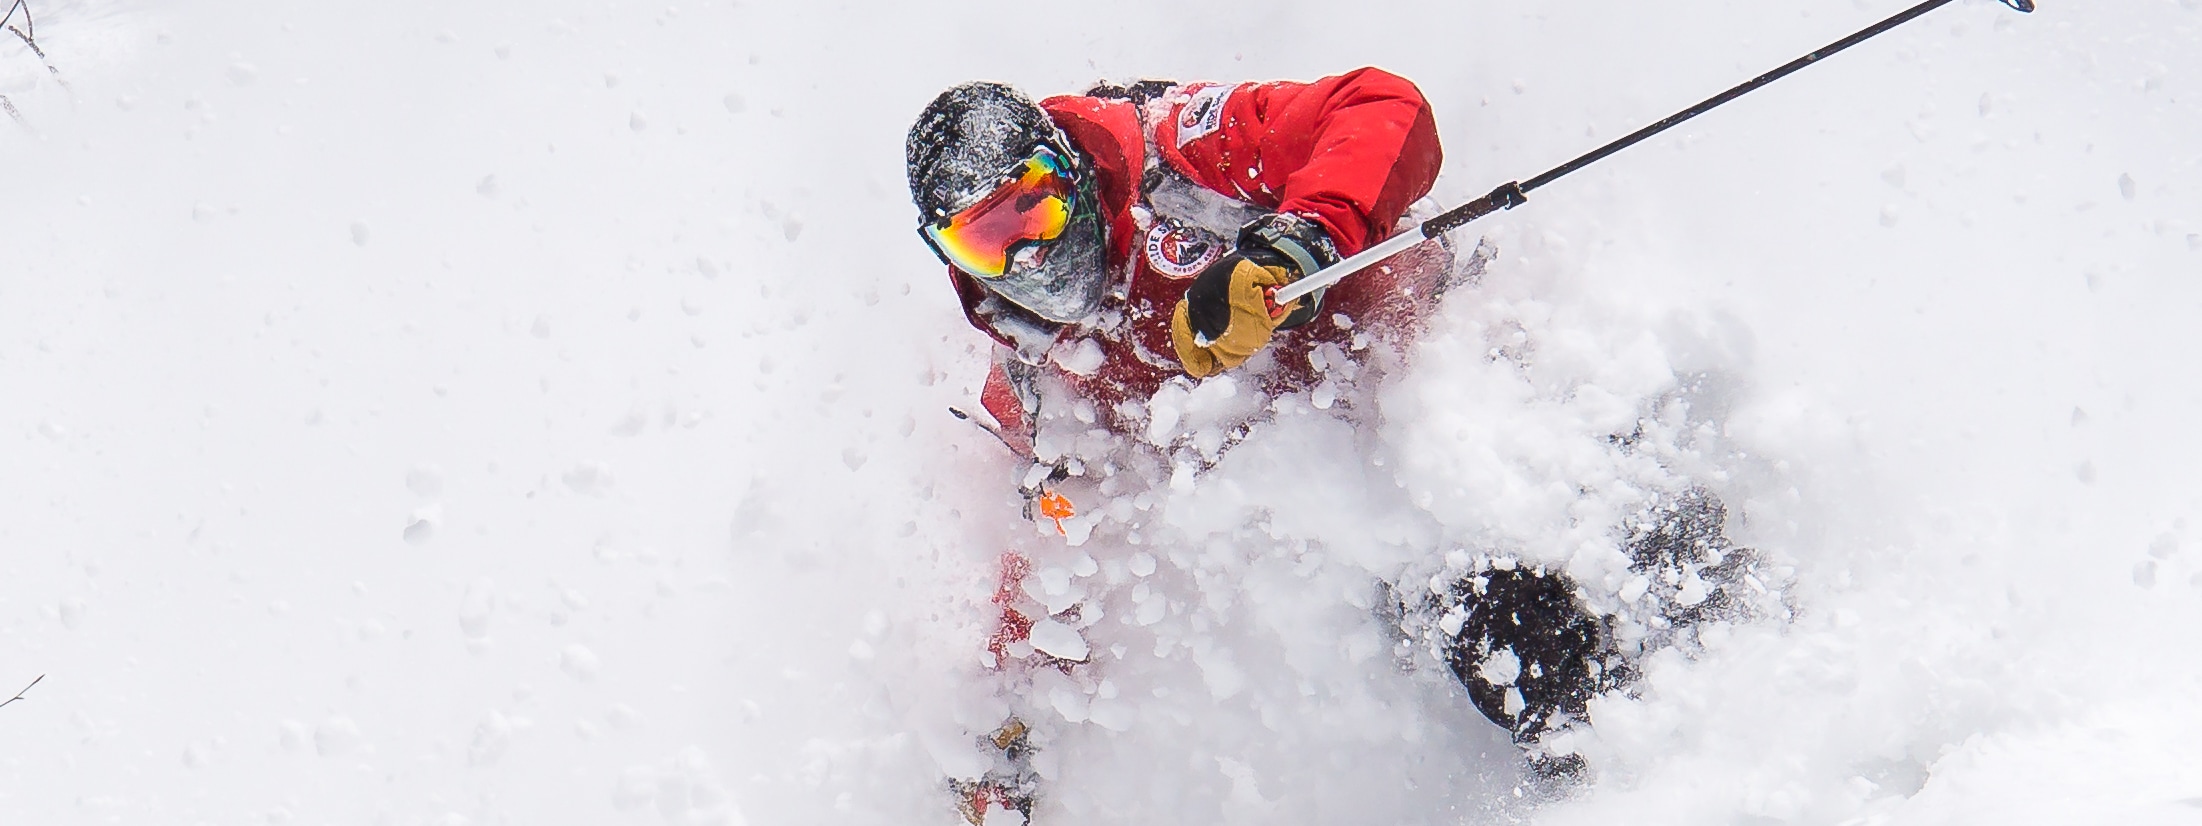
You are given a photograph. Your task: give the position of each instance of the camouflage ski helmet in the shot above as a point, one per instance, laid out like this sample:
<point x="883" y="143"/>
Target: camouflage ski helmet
<point x="963" y="146"/>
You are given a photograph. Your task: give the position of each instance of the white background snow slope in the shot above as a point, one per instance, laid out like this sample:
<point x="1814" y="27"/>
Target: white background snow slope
<point x="445" y="413"/>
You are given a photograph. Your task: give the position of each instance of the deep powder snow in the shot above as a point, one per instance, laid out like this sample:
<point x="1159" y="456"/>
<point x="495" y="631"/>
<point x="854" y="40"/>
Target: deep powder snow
<point x="448" y="414"/>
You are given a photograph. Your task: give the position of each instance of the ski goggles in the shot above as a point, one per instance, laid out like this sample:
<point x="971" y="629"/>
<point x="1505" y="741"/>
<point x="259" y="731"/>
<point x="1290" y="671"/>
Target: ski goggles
<point x="1032" y="207"/>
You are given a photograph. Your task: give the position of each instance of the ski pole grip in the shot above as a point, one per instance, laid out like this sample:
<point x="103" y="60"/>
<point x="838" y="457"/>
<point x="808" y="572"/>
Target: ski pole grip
<point x="1507" y="196"/>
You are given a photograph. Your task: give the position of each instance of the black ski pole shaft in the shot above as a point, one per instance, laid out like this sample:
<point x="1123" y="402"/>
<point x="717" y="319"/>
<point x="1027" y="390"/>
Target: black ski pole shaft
<point x="1515" y="193"/>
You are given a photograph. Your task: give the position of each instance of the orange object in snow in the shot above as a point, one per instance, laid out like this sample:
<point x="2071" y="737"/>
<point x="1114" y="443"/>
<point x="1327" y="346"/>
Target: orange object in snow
<point x="1057" y="507"/>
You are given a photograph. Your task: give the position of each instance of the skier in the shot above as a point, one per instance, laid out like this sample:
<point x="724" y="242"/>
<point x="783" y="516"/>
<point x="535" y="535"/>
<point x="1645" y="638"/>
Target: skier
<point x="1145" y="222"/>
<point x="1114" y="241"/>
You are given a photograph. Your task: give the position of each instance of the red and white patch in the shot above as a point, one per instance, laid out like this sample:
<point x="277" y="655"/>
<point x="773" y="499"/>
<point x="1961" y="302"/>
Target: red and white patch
<point x="1181" y="252"/>
<point x="1202" y="113"/>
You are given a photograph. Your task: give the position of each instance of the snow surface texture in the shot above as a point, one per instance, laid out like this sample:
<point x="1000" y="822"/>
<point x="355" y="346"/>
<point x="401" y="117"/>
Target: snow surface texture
<point x="532" y="413"/>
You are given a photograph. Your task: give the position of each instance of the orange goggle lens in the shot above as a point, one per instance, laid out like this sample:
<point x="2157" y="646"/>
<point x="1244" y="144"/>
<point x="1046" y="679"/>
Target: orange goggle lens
<point x="1033" y="207"/>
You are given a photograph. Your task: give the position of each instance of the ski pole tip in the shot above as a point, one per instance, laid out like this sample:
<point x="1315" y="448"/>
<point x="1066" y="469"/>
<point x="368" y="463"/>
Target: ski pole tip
<point x="2021" y="5"/>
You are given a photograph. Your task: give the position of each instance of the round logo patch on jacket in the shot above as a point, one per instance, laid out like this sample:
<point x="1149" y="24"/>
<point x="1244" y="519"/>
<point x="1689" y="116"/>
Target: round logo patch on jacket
<point x="1180" y="251"/>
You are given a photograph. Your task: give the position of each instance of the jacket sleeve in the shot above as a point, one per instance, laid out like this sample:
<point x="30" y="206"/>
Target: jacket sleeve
<point x="1351" y="151"/>
<point x="1011" y="396"/>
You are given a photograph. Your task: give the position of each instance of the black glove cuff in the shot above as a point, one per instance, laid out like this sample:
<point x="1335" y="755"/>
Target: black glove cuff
<point x="1299" y="245"/>
<point x="1288" y="240"/>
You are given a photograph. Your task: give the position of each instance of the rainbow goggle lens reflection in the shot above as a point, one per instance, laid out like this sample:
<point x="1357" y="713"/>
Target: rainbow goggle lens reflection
<point x="1032" y="207"/>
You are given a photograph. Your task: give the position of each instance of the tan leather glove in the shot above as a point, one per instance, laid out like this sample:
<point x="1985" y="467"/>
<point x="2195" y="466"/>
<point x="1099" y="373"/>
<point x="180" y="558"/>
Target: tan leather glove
<point x="1226" y="316"/>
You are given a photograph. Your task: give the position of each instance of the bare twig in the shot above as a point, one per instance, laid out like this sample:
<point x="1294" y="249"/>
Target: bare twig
<point x="19" y="6"/>
<point x="33" y="43"/>
<point x="26" y="690"/>
<point x="24" y="32"/>
<point x="28" y="33"/>
<point x="9" y="105"/>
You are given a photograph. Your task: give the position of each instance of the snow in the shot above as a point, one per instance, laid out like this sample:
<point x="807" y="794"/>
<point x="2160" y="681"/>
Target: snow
<point x="1501" y="669"/>
<point x="457" y="413"/>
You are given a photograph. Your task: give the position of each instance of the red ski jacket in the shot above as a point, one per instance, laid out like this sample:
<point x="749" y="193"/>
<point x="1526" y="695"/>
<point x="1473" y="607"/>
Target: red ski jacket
<point x="1350" y="152"/>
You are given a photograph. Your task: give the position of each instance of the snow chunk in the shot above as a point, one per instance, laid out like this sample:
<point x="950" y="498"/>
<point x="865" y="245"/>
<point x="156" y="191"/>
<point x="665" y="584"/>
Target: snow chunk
<point x="1223" y="677"/>
<point x="1054" y="581"/>
<point x="422" y="526"/>
<point x="1069" y="702"/>
<point x="1635" y="588"/>
<point x="1151" y="611"/>
<point x="1453" y="620"/>
<point x="491" y="738"/>
<point x="1110" y="714"/>
<point x="1501" y="668"/>
<point x="1324" y="395"/>
<point x="1693" y="591"/>
<point x="2164" y="546"/>
<point x="588" y="478"/>
<point x="476" y="608"/>
<point x="1163" y="411"/>
<point x="1082" y="357"/>
<point x="1058" y="640"/>
<point x="578" y="662"/>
